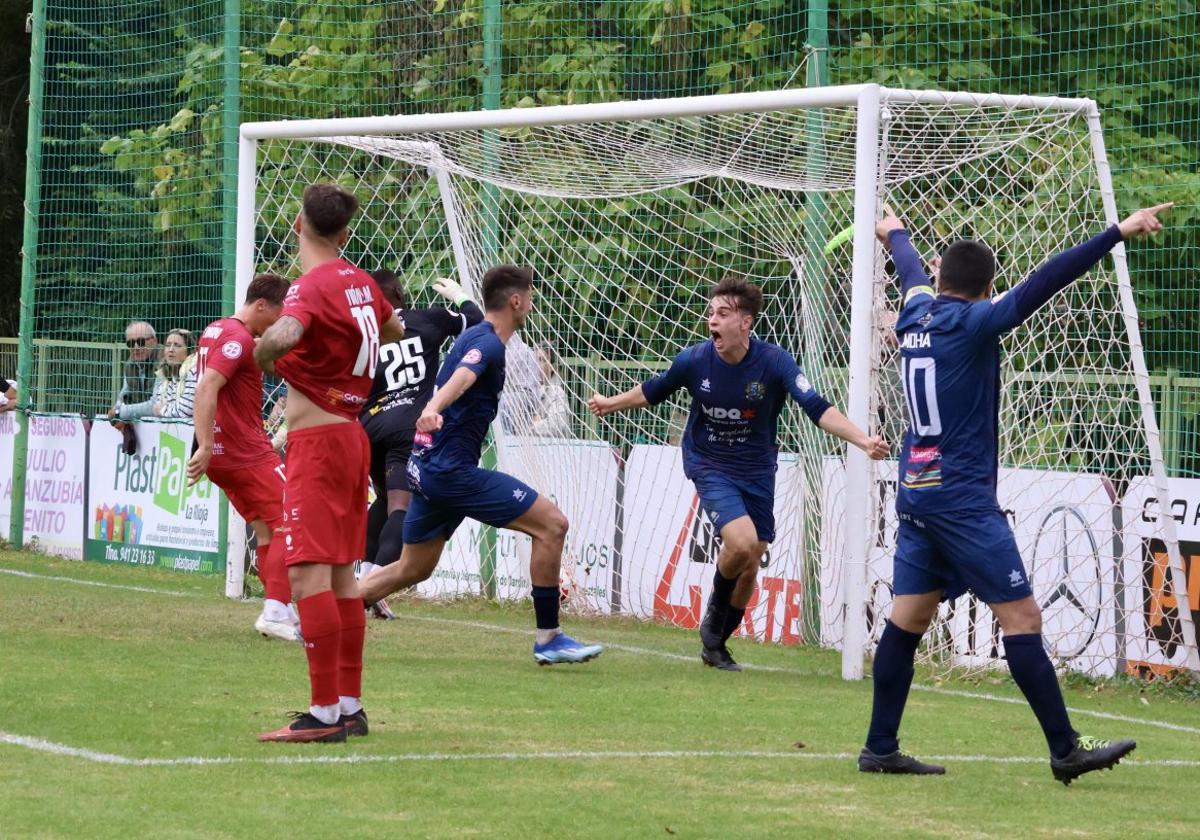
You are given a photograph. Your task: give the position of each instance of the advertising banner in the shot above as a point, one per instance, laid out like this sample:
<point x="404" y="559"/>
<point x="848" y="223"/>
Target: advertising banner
<point x="1153" y="627"/>
<point x="54" y="471"/>
<point x="140" y="509"/>
<point x="669" y="549"/>
<point x="580" y="477"/>
<point x="1064" y="530"/>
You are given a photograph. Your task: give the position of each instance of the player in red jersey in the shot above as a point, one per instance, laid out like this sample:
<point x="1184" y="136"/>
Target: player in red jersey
<point x="326" y="345"/>
<point x="232" y="447"/>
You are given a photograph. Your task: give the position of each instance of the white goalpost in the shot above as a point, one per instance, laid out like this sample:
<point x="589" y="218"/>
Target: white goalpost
<point x="629" y="212"/>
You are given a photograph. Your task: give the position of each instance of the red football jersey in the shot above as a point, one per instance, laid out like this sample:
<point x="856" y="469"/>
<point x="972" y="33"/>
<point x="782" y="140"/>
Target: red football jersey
<point x="333" y="364"/>
<point x="227" y="347"/>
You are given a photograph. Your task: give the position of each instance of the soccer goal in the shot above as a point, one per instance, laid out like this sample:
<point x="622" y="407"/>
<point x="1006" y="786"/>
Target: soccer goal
<point x="630" y="212"/>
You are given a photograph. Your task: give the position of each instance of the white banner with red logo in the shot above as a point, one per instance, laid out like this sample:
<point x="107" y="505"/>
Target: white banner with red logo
<point x="669" y="550"/>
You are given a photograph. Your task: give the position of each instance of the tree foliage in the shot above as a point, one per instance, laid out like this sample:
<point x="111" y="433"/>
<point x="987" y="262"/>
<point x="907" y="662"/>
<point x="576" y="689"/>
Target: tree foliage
<point x="145" y="152"/>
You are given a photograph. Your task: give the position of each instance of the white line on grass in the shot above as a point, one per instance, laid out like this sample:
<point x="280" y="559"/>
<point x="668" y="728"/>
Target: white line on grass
<point x="931" y="689"/>
<point x="662" y="654"/>
<point x="98" y="583"/>
<point x="42" y="745"/>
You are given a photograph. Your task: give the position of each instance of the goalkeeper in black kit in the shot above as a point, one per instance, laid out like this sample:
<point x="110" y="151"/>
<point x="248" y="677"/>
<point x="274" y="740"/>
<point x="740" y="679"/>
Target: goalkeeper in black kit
<point x="403" y="385"/>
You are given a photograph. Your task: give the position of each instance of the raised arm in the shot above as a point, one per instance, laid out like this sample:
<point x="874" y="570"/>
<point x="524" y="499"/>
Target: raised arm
<point x="913" y="279"/>
<point x="204" y="417"/>
<point x="1063" y="269"/>
<point x="279" y="338"/>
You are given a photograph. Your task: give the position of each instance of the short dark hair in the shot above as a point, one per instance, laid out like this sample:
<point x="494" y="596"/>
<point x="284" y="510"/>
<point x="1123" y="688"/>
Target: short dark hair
<point x="329" y="208"/>
<point x="967" y="268"/>
<point x="501" y="281"/>
<point x="749" y="297"/>
<point x="269" y="287"/>
<point x="385" y="278"/>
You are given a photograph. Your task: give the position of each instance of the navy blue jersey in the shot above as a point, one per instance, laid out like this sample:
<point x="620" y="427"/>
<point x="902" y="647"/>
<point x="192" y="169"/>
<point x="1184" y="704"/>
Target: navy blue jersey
<point x="735" y="408"/>
<point x="950" y="370"/>
<point x="465" y="422"/>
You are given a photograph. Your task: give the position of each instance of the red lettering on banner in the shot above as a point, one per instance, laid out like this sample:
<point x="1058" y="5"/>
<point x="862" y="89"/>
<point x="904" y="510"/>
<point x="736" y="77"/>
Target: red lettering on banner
<point x="772" y="586"/>
<point x="681" y="616"/>
<point x="791" y="614"/>
<point x="746" y="628"/>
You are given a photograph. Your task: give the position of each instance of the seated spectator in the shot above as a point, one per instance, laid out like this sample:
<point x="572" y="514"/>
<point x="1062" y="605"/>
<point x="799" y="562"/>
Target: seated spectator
<point x="174" y="386"/>
<point x="552" y="415"/>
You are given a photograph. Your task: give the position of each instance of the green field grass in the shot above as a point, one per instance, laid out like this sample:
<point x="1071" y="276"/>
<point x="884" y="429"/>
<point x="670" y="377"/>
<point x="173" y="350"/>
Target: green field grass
<point x="132" y="713"/>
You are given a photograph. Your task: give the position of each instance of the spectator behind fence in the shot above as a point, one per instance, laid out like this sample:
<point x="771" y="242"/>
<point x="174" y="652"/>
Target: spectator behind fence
<point x="138" y="376"/>
<point x="171" y="394"/>
<point x="177" y="394"/>
<point x="8" y="395"/>
<point x="552" y="416"/>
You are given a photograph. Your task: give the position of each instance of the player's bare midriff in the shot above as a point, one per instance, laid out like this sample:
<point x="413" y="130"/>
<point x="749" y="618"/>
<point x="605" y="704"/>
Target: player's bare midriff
<point x="303" y="413"/>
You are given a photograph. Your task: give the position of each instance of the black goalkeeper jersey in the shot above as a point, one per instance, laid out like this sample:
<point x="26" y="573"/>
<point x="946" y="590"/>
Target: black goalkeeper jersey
<point x="407" y="368"/>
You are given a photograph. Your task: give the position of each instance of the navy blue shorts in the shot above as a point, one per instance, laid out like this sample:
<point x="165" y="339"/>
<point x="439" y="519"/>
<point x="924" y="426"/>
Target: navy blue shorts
<point x="442" y="499"/>
<point x="955" y="552"/>
<point x="725" y="498"/>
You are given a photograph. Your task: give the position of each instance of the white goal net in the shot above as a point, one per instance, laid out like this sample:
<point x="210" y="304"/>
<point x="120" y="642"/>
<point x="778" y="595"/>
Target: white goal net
<point x="628" y="215"/>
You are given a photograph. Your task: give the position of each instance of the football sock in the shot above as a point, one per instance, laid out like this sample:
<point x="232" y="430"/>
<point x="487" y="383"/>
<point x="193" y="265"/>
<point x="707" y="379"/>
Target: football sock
<point x="391" y="539"/>
<point x="545" y="607"/>
<point x="365" y="568"/>
<point x="273" y="572"/>
<point x="326" y="714"/>
<point x="892" y="674"/>
<point x="321" y="626"/>
<point x="1034" y="674"/>
<point x="350" y="649"/>
<point x="376" y="516"/>
<point x="722" y="589"/>
<point x="733" y="620"/>
<point x="276" y="610"/>
<point x="350" y="705"/>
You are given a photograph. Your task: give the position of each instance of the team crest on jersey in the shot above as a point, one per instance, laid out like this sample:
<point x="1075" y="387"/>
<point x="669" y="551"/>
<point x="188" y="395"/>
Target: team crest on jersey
<point x="802" y="382"/>
<point x="293" y="292"/>
<point x="232" y="350"/>
<point x="472" y="356"/>
<point x="755" y="391"/>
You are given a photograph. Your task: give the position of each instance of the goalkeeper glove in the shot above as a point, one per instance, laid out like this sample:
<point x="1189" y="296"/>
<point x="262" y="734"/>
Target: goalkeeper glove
<point x="450" y="290"/>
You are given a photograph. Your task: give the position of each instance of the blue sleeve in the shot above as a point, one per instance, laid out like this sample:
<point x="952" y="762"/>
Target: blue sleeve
<point x="1031" y="294"/>
<point x="914" y="282"/>
<point x="480" y="351"/>
<point x="659" y="388"/>
<point x="800" y="388"/>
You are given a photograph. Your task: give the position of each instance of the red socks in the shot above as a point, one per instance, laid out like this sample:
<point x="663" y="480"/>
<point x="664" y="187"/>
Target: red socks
<point x="354" y="629"/>
<point x="321" y="626"/>
<point x="273" y="573"/>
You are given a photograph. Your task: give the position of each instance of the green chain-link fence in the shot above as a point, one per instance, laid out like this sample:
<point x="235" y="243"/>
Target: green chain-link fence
<point x="135" y="106"/>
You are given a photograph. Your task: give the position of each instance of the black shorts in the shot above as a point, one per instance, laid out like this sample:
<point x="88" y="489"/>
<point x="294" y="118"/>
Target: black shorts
<point x="391" y="444"/>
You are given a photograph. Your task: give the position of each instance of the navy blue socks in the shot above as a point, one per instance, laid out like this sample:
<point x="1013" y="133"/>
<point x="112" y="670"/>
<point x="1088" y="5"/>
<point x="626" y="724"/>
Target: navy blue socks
<point x="1034" y="674"/>
<point x="892" y="674"/>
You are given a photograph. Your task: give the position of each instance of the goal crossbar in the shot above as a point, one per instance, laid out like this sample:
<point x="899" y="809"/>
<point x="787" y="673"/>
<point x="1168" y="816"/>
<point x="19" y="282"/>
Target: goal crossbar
<point x="690" y="106"/>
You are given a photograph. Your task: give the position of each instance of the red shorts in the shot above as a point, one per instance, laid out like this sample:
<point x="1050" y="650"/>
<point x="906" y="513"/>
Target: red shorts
<point x="254" y="490"/>
<point x="325" y="503"/>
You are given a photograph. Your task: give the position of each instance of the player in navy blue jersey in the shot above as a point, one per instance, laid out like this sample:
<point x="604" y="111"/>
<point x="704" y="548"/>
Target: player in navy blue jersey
<point x="738" y="386"/>
<point x="952" y="535"/>
<point x="448" y="485"/>
<point x="403" y="385"/>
